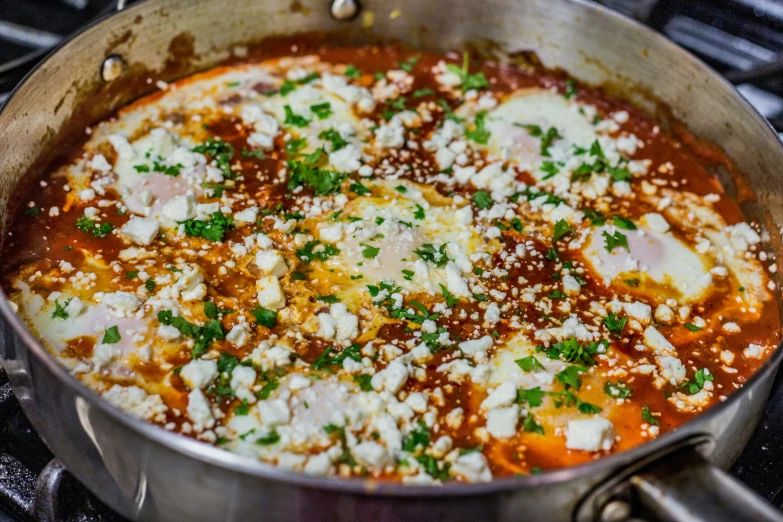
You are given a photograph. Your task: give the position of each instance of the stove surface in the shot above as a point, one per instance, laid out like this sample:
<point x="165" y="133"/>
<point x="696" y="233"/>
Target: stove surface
<point x="742" y="39"/>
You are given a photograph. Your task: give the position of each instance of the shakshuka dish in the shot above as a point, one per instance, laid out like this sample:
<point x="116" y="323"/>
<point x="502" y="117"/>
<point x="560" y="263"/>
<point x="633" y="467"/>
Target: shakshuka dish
<point x="383" y="263"/>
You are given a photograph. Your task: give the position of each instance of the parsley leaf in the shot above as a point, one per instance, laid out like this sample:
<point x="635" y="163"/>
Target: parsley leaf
<point x="618" y="390"/>
<point x="699" y="378"/>
<point x="305" y="172"/>
<point x="88" y="225"/>
<point x="325" y="359"/>
<point x="615" y="240"/>
<point x="428" y="252"/>
<point x="264" y="316"/>
<point x="369" y="251"/>
<point x="221" y="151"/>
<point x="529" y="363"/>
<point x="479" y="133"/>
<point x="270" y="438"/>
<point x="315" y="251"/>
<point x="352" y="72"/>
<point x="421" y="93"/>
<point x="322" y="110"/>
<point x="482" y="199"/>
<point x="692" y="327"/>
<point x="534" y="397"/>
<point x="614" y="323"/>
<point x="409" y="64"/>
<point x="297" y="120"/>
<point x="59" y="310"/>
<point x="648" y="417"/>
<point x="363" y="380"/>
<point x="450" y="299"/>
<point x="624" y="223"/>
<point x="111" y="335"/>
<point x="338" y="142"/>
<point x="359" y="189"/>
<point x="213" y="230"/>
<point x="561" y="229"/>
<point x="570" y="376"/>
<point x="468" y="81"/>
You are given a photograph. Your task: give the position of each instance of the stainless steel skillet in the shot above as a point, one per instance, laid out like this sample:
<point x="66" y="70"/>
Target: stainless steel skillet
<point x="147" y="473"/>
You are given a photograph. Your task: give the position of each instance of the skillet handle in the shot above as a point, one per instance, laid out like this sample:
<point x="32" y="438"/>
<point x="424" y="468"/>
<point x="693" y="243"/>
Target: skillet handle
<point x="687" y="487"/>
<point x="679" y="486"/>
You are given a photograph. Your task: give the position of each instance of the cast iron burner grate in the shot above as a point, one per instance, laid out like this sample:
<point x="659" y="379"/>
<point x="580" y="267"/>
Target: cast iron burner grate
<point x="742" y="39"/>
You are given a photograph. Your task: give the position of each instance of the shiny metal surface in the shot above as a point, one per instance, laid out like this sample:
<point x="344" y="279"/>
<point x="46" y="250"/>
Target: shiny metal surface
<point x="672" y="488"/>
<point x="147" y="473"/>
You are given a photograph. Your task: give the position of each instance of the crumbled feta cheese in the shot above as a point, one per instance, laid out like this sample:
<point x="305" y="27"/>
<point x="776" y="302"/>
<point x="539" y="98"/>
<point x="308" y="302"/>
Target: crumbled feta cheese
<point x="140" y="230"/>
<point x="590" y="434"/>
<point x="198" y="373"/>
<point x="270" y="294"/>
<point x="180" y="208"/>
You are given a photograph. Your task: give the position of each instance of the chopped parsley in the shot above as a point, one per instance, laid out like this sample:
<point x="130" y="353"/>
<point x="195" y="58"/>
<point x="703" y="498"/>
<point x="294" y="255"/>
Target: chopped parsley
<point x="692" y="327"/>
<point x="624" y="223"/>
<point x="316" y="251"/>
<point x="428" y="252"/>
<point x="618" y="239"/>
<point x="648" y="417"/>
<point x="322" y="110"/>
<point x="213" y="230"/>
<point x="352" y="72"/>
<point x="338" y="142"/>
<point x="546" y="138"/>
<point x="569" y="376"/>
<point x="88" y="225"/>
<point x="699" y="378"/>
<point x="359" y="189"/>
<point x="468" y="81"/>
<point x="131" y="274"/>
<point x="421" y="93"/>
<point x="331" y="299"/>
<point x="149" y="284"/>
<point x="111" y="335"/>
<point x="59" y="310"/>
<point x="221" y="151"/>
<point x="479" y="133"/>
<point x="267" y="389"/>
<point x="618" y="390"/>
<point x="270" y="438"/>
<point x="294" y="145"/>
<point x="562" y="228"/>
<point x="296" y="120"/>
<point x="571" y="350"/>
<point x="450" y="299"/>
<point x="570" y="89"/>
<point x="32" y="211"/>
<point x="482" y="199"/>
<point x="369" y="251"/>
<point x="418" y="437"/>
<point x="409" y="64"/>
<point x="326" y="359"/>
<point x="363" y="380"/>
<point x="264" y="316"/>
<point x="614" y="323"/>
<point x="306" y="172"/>
<point x="534" y="397"/>
<point x="203" y="335"/>
<point x="529" y="363"/>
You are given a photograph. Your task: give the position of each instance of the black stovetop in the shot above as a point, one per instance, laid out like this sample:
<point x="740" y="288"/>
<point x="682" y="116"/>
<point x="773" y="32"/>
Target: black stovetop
<point x="742" y="39"/>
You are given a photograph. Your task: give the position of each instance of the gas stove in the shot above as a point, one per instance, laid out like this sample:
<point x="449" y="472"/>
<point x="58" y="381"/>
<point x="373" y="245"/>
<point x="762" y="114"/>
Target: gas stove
<point x="741" y="39"/>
